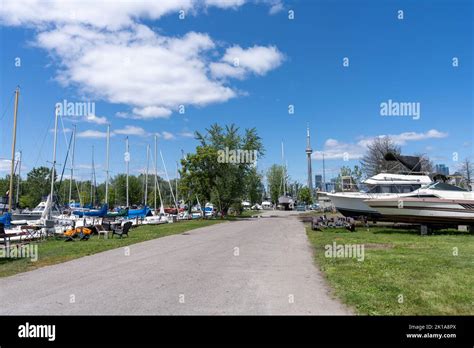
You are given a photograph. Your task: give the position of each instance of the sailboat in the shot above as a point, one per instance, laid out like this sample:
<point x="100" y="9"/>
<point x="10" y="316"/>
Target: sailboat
<point x="37" y="213"/>
<point x="92" y="213"/>
<point x="6" y="218"/>
<point x="141" y="213"/>
<point x="157" y="217"/>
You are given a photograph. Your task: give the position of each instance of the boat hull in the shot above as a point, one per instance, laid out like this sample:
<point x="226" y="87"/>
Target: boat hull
<point x="352" y="204"/>
<point x="430" y="211"/>
<point x="27" y="217"/>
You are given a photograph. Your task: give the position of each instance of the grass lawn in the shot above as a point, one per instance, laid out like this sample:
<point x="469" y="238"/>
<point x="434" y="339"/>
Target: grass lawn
<point x="422" y="269"/>
<point x="52" y="251"/>
<point x="250" y="213"/>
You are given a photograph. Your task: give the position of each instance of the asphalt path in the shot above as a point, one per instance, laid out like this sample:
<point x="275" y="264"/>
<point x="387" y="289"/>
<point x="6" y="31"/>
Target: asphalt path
<point x="257" y="266"/>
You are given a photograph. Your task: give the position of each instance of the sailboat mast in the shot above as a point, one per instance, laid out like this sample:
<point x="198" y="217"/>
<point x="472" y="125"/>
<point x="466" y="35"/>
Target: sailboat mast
<point x="72" y="163"/>
<point x="157" y="186"/>
<point x="168" y="179"/>
<point x="146" y="173"/>
<point x="15" y="114"/>
<point x="107" y="167"/>
<point x="284" y="168"/>
<point x="18" y="179"/>
<point x="54" y="162"/>
<point x="156" y="166"/>
<point x="177" y="175"/>
<point x="127" y="160"/>
<point x="92" y="177"/>
<point x="324" y="175"/>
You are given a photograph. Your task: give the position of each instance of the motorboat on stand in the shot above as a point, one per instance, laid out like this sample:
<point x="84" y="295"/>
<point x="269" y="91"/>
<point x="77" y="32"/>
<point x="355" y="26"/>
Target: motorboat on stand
<point x="384" y="185"/>
<point x="438" y="204"/>
<point x="408" y="178"/>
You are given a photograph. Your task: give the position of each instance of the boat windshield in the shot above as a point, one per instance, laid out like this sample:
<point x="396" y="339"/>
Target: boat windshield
<point x="445" y="187"/>
<point x="407" y="188"/>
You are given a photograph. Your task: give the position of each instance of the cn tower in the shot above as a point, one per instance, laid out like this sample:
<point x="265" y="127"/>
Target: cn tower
<point x="309" y="151"/>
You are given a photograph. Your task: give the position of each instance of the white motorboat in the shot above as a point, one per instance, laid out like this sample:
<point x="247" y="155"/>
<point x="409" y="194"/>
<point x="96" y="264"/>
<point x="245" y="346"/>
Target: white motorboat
<point x="384" y="185"/>
<point x="437" y="204"/>
<point x="37" y="212"/>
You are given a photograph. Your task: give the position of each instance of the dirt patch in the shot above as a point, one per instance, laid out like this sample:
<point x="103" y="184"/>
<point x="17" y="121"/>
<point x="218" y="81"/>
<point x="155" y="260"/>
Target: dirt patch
<point x="378" y="246"/>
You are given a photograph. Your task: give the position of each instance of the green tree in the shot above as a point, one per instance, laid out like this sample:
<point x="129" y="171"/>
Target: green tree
<point x="254" y="186"/>
<point x="304" y="195"/>
<point x="355" y="174"/>
<point x="203" y="174"/>
<point x="275" y="182"/>
<point x="37" y="186"/>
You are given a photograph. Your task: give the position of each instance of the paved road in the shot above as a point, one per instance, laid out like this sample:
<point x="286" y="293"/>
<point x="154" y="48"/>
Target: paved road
<point x="261" y="266"/>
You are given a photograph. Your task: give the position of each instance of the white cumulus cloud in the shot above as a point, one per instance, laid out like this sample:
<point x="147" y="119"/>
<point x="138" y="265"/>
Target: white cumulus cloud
<point x="238" y="61"/>
<point x="90" y="133"/>
<point x="96" y="119"/>
<point x="131" y="130"/>
<point x="334" y="149"/>
<point x="103" y="49"/>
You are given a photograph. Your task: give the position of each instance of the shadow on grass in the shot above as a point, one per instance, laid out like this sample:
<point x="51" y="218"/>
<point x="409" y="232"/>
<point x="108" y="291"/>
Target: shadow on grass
<point x="416" y="231"/>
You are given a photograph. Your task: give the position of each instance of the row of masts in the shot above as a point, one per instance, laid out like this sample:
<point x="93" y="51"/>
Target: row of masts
<point x="15" y="161"/>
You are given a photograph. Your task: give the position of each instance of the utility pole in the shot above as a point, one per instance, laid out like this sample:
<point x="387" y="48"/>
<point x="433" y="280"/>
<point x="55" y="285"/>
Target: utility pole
<point x="15" y="114"/>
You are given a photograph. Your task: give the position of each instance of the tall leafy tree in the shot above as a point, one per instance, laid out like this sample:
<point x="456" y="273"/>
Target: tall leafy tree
<point x="254" y="186"/>
<point x="304" y="195"/>
<point x="206" y="177"/>
<point x="275" y="182"/>
<point x="37" y="185"/>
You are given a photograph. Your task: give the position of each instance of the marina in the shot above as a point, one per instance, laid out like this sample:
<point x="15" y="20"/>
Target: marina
<point x="166" y="164"/>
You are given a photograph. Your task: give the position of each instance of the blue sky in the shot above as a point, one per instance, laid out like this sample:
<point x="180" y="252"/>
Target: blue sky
<point x="138" y="63"/>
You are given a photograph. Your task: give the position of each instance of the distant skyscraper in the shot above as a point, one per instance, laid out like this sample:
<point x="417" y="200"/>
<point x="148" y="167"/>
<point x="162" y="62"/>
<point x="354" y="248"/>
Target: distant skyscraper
<point x="442" y="169"/>
<point x="330" y="186"/>
<point x="309" y="151"/>
<point x="318" y="182"/>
